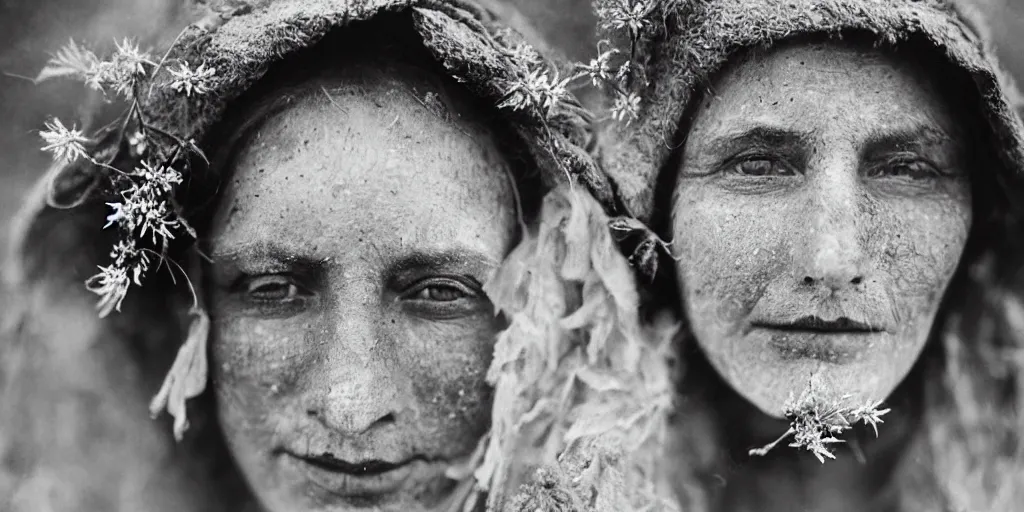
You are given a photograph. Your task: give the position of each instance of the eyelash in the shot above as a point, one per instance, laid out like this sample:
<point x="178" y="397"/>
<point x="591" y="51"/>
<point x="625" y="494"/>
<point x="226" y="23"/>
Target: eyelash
<point x="251" y="287"/>
<point x="420" y="291"/>
<point x="436" y="298"/>
<point x="883" y="170"/>
<point x="733" y="167"/>
<point x="418" y="301"/>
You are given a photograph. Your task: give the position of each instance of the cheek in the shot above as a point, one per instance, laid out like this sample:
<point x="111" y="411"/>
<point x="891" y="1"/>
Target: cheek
<point x="448" y="363"/>
<point x="916" y="245"/>
<point x="728" y="249"/>
<point x="255" y="365"/>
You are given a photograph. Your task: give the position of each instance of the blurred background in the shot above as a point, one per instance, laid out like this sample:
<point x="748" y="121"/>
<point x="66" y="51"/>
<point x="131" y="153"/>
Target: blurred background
<point x="32" y="29"/>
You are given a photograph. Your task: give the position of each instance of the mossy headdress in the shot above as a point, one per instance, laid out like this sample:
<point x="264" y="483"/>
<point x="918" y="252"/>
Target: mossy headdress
<point x="677" y="46"/>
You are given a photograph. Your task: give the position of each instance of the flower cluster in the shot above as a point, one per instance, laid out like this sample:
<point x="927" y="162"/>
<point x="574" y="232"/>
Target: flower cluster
<point x="121" y="73"/>
<point x="816" y="423"/>
<point x="66" y="144"/>
<point x="632" y="15"/>
<point x="612" y="69"/>
<point x="539" y="91"/>
<point x="191" y="81"/>
<point x="143" y="211"/>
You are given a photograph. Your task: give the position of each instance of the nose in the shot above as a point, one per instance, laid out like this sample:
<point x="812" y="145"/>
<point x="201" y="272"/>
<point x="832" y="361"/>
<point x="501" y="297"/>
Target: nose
<point x="358" y="391"/>
<point x="831" y="253"/>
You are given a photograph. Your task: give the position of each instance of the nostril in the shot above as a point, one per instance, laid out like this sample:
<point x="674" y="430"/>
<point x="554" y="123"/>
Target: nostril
<point x="857" y="280"/>
<point x="312" y="413"/>
<point x="387" y="418"/>
<point x="808" y="280"/>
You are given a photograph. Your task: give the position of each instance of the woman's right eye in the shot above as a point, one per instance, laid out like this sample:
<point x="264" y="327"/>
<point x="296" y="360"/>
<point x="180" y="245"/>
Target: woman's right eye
<point x="761" y="167"/>
<point x="272" y="288"/>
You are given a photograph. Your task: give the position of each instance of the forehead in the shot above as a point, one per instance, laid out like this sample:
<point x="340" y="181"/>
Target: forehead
<point x="367" y="158"/>
<point x="838" y="86"/>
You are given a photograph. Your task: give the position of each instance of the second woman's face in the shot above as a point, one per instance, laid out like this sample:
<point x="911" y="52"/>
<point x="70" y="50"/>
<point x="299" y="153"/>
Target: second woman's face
<point x="350" y="333"/>
<point x="821" y="210"/>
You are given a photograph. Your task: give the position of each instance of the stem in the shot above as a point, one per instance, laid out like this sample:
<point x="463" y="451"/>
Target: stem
<point x="191" y="289"/>
<point x="762" y="451"/>
<point x="160" y="66"/>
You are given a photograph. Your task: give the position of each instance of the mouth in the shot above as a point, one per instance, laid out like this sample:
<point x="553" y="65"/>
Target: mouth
<point x="818" y="325"/>
<point x="328" y="462"/>
<point x="367" y="482"/>
<point x="837" y="341"/>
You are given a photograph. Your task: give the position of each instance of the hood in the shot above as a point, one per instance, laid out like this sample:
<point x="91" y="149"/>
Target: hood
<point x="688" y="41"/>
<point x="568" y="259"/>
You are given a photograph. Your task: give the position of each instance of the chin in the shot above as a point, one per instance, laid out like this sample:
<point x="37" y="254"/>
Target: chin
<point x="778" y="383"/>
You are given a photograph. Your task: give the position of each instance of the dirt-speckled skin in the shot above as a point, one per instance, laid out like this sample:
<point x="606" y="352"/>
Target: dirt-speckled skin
<point x="842" y="227"/>
<point x="323" y="341"/>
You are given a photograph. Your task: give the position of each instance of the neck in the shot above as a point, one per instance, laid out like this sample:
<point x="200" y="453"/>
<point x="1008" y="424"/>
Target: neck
<point x="789" y="479"/>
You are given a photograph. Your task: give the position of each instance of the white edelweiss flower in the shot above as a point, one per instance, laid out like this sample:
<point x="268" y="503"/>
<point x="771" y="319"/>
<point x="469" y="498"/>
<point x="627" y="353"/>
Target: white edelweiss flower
<point x="630" y="14"/>
<point x="66" y="144"/>
<point x="123" y="71"/>
<point x="111" y="284"/>
<point x="161" y="177"/>
<point x="537" y="90"/>
<point x="599" y="70"/>
<point x="626" y="108"/>
<point x="192" y="81"/>
<point x="525" y="54"/>
<point x="870" y="415"/>
<point x="131" y="59"/>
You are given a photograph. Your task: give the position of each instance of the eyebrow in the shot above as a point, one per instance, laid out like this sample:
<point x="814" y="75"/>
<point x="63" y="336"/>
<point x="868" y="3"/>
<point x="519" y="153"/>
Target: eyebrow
<point x="763" y="136"/>
<point x="267" y="250"/>
<point x="905" y="139"/>
<point x="461" y="258"/>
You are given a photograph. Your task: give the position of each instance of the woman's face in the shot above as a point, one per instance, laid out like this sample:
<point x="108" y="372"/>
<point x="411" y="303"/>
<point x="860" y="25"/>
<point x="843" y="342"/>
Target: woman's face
<point x="350" y="333"/>
<point x="821" y="210"/>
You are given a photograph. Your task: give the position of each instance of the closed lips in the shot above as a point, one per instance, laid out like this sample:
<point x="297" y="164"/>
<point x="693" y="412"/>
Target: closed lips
<point x="820" y="325"/>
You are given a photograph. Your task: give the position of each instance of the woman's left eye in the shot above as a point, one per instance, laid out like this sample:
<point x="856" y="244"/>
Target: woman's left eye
<point x="762" y="167"/>
<point x="914" y="169"/>
<point x="444" y="298"/>
<point x="440" y="293"/>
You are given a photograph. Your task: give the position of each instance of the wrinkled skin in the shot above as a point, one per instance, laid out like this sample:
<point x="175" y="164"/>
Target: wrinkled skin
<point x="349" y="326"/>
<point x="823" y="180"/>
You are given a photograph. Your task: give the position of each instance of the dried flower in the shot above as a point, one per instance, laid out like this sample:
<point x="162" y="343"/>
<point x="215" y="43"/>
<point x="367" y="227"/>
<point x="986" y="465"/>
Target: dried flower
<point x="869" y="415"/>
<point x="66" y="144"/>
<point x="525" y="54"/>
<point x="629" y="14"/>
<point x="815" y="423"/>
<point x="71" y="61"/>
<point x="161" y="177"/>
<point x="626" y="108"/>
<point x="111" y="284"/>
<point x="191" y="81"/>
<point x="123" y="71"/>
<point x="130" y="59"/>
<point x="538" y="90"/>
<point x="599" y="69"/>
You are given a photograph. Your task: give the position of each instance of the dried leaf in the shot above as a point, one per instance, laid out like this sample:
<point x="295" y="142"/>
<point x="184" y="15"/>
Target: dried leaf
<point x="188" y="374"/>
